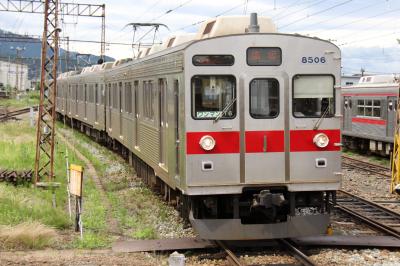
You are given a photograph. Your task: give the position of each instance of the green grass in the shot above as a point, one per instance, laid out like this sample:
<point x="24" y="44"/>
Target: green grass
<point x="30" y="99"/>
<point x="94" y="219"/>
<point x="132" y="207"/>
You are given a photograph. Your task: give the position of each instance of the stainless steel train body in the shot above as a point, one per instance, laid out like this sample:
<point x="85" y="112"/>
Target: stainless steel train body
<point x="369" y="113"/>
<point x="242" y="130"/>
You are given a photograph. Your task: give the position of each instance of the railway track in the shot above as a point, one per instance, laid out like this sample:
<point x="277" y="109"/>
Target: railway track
<point x="366" y="166"/>
<point x="373" y="214"/>
<point x="295" y="252"/>
<point x="13" y="114"/>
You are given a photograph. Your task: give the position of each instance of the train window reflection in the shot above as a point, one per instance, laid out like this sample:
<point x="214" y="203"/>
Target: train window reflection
<point x="313" y="96"/>
<point x="264" y="98"/>
<point x="211" y="94"/>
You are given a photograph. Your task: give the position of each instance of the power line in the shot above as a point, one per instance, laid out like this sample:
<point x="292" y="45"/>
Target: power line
<point x="220" y="14"/>
<point x="363" y="19"/>
<point x="297" y="11"/>
<point x="171" y="10"/>
<point x="295" y="3"/>
<point x="344" y="14"/>
<point x="316" y="13"/>
<point x="366" y="39"/>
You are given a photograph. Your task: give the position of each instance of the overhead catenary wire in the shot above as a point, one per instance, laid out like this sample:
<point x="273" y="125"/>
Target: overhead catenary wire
<point x="336" y="17"/>
<point x="362" y="19"/>
<point x="171" y="10"/>
<point x="201" y="21"/>
<point x="316" y="13"/>
<point x="299" y="10"/>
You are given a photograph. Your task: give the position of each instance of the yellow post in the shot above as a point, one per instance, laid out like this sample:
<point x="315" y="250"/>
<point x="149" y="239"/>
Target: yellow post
<point x="396" y="150"/>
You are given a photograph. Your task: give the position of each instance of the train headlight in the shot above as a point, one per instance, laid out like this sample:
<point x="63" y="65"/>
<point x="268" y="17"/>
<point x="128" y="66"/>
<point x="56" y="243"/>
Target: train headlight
<point x="321" y="140"/>
<point x="207" y="142"/>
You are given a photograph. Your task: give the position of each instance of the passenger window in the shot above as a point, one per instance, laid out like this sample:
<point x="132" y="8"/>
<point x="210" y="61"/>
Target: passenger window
<point x="313" y="96"/>
<point x="264" y="98"/>
<point x="212" y="95"/>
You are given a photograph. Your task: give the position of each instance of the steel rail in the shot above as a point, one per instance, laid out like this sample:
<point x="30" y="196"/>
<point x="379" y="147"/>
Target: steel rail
<point x="295" y="252"/>
<point x="366" y="166"/>
<point x="355" y="212"/>
<point x="11" y="114"/>
<point x="231" y="257"/>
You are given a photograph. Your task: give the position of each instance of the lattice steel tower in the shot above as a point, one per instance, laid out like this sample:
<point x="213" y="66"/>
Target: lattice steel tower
<point x="44" y="163"/>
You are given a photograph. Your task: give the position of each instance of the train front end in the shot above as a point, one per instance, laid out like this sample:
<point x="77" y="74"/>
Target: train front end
<point x="262" y="132"/>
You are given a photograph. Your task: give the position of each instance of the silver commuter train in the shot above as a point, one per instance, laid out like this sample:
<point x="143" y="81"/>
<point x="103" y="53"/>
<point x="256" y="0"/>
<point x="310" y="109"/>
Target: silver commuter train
<point x="240" y="126"/>
<point x="369" y="114"/>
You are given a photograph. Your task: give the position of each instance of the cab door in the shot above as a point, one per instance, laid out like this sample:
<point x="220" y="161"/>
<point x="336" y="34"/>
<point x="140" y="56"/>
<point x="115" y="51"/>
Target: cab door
<point x="347" y="113"/>
<point x="391" y="115"/>
<point x="264" y="130"/>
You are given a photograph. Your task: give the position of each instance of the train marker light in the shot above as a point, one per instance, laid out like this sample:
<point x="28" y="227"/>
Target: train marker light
<point x="207" y="143"/>
<point x="321" y="140"/>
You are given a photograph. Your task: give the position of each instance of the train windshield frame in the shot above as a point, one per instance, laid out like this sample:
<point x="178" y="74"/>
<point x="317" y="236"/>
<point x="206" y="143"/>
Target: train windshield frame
<point x="313" y="96"/>
<point x="211" y="94"/>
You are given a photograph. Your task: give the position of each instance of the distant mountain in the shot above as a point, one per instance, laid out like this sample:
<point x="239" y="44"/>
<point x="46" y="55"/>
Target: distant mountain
<point x="31" y="55"/>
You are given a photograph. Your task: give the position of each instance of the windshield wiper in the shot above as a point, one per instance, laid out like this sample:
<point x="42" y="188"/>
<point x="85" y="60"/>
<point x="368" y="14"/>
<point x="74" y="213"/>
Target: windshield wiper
<point x="226" y="108"/>
<point x="316" y="126"/>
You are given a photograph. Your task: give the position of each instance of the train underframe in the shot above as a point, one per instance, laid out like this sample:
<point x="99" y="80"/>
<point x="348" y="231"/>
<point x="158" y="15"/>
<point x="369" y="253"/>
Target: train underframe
<point x="259" y="212"/>
<point x="368" y="146"/>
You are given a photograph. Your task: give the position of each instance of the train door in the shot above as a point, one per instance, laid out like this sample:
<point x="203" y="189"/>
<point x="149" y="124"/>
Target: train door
<point x="96" y="99"/>
<point x="109" y="101"/>
<point x="136" y="111"/>
<point x="86" y="101"/>
<point x="67" y="97"/>
<point x="347" y="113"/>
<point x="120" y="93"/>
<point x="391" y="115"/>
<point x="264" y="130"/>
<point x="162" y="86"/>
<point x="176" y="114"/>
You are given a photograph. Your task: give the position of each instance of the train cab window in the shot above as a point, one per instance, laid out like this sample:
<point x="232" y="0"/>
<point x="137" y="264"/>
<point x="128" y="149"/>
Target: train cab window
<point x="264" y="98"/>
<point x="313" y="96"/>
<point x="213" y="96"/>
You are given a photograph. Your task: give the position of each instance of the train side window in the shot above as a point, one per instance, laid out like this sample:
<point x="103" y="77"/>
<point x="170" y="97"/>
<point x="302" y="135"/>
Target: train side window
<point x="264" y="98"/>
<point x="313" y="96"/>
<point x="115" y="98"/>
<point x="148" y="110"/>
<point x="212" y="95"/>
<point x="370" y="108"/>
<point x="128" y="97"/>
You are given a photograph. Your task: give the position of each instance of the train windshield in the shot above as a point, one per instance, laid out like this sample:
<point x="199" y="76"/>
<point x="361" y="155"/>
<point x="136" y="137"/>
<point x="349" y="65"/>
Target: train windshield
<point x="211" y="95"/>
<point x="313" y="96"/>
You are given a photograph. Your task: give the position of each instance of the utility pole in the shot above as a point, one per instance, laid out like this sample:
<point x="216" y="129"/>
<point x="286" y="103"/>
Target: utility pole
<point x="44" y="163"/>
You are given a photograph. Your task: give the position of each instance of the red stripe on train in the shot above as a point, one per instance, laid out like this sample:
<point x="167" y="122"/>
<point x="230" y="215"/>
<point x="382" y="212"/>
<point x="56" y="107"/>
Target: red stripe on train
<point x="265" y="141"/>
<point x="302" y="140"/>
<point x="229" y="142"/>
<point x="226" y="142"/>
<point x="368" y="121"/>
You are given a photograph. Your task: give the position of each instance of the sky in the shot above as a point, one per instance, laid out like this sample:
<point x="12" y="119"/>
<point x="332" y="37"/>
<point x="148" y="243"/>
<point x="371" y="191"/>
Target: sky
<point x="366" y="31"/>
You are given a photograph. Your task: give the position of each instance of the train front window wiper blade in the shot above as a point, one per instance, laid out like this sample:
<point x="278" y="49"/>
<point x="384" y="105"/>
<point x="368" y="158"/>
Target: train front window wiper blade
<point x="319" y="121"/>
<point x="226" y="108"/>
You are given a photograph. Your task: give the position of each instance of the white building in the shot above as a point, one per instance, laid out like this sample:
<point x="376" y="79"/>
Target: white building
<point x="14" y="75"/>
<point x="349" y="80"/>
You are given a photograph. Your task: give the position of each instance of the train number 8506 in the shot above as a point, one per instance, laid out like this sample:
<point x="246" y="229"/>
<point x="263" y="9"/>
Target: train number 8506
<point x="313" y="60"/>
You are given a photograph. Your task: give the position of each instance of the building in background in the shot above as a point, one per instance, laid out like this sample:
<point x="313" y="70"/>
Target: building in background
<point x="349" y="80"/>
<point x="14" y="75"/>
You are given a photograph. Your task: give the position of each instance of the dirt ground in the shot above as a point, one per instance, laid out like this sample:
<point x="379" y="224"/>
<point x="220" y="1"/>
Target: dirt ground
<point x="79" y="257"/>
